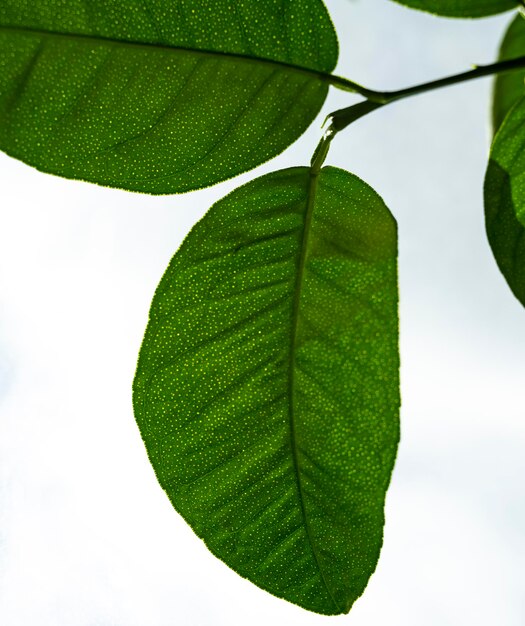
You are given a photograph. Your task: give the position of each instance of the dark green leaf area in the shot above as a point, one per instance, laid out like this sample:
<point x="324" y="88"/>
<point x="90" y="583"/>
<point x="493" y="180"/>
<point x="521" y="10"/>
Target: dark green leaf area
<point x="267" y="388"/>
<point x="505" y="199"/>
<point x="159" y="97"/>
<point x="462" y="8"/>
<point x="510" y="87"/>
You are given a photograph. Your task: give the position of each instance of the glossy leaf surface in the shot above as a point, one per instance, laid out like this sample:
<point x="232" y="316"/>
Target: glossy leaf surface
<point x="510" y="87"/>
<point x="461" y="8"/>
<point x="505" y="199"/>
<point x="159" y="96"/>
<point x="267" y="388"/>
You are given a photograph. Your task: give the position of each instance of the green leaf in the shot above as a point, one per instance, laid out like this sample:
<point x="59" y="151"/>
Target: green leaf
<point x="160" y="96"/>
<point x="267" y="388"/>
<point x="509" y="87"/>
<point x="461" y="8"/>
<point x="505" y="199"/>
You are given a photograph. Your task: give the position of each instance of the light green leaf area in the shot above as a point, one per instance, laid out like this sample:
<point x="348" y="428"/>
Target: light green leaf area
<point x="509" y="87"/>
<point x="267" y="388"/>
<point x="505" y="199"/>
<point x="159" y="96"/>
<point x="461" y="8"/>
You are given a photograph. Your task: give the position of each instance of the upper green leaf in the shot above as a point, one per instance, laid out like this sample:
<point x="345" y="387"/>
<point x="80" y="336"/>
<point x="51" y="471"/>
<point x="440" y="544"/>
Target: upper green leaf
<point x="160" y="96"/>
<point x="509" y="87"/>
<point x="267" y="388"/>
<point x="505" y="199"/>
<point x="462" y="8"/>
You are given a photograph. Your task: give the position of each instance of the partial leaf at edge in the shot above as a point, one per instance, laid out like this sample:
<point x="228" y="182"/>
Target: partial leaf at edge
<point x="461" y="8"/>
<point x="509" y="87"/>
<point x="505" y="199"/>
<point x="267" y="388"/>
<point x="159" y="96"/>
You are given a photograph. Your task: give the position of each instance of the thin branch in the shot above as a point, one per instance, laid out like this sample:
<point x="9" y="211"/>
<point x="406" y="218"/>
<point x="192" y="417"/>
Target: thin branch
<point x="479" y="71"/>
<point x="375" y="99"/>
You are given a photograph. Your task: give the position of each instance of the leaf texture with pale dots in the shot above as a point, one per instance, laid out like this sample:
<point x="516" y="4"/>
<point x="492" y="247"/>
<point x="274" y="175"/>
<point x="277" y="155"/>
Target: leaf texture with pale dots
<point x="267" y="387"/>
<point x="159" y="96"/>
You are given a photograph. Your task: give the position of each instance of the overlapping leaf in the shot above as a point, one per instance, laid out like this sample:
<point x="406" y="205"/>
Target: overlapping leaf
<point x="505" y="199"/>
<point x="267" y="385"/>
<point x="510" y="87"/>
<point x="159" y="96"/>
<point x="461" y="8"/>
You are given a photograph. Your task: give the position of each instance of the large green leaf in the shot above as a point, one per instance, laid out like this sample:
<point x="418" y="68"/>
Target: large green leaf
<point x="159" y="96"/>
<point x="505" y="199"/>
<point x="510" y="87"/>
<point x="267" y="385"/>
<point x="461" y="8"/>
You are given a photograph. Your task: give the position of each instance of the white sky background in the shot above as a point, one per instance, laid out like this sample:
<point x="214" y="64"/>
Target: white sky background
<point x="88" y="538"/>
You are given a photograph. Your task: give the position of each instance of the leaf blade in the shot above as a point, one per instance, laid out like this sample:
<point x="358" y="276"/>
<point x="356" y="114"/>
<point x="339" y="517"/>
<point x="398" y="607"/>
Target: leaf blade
<point x="505" y="199"/>
<point x="509" y="88"/>
<point x="461" y="8"/>
<point x="98" y="93"/>
<point x="256" y="441"/>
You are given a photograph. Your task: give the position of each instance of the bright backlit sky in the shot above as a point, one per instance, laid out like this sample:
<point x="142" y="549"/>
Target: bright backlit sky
<point x="88" y="538"/>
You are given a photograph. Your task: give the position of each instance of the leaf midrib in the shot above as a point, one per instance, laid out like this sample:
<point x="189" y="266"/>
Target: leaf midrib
<point x="313" y="181"/>
<point x="317" y="74"/>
